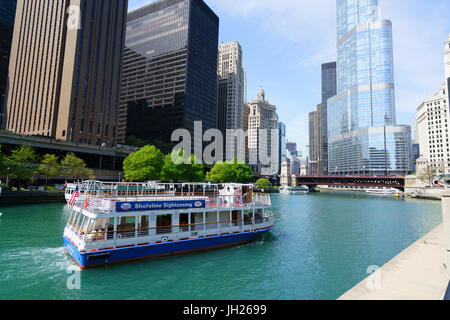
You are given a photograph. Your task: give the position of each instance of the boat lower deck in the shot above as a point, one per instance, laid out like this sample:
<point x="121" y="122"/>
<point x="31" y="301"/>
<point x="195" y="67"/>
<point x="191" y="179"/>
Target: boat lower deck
<point x="100" y="258"/>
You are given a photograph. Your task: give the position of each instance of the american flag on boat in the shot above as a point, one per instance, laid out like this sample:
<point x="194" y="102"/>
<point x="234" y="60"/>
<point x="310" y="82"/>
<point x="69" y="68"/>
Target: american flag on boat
<point x="75" y="195"/>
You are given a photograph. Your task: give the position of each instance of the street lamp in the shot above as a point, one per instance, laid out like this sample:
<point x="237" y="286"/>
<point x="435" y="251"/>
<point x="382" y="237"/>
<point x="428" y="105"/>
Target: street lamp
<point x="120" y="173"/>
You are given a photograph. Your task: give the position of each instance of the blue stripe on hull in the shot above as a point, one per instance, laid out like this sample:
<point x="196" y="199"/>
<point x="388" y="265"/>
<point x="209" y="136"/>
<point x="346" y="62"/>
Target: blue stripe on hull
<point x="113" y="256"/>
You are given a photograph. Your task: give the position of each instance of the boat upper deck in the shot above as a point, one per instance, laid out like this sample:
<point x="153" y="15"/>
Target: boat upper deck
<point x="108" y="198"/>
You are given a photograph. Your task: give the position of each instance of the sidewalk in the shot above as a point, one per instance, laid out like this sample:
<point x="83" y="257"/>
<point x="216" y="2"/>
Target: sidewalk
<point x="418" y="273"/>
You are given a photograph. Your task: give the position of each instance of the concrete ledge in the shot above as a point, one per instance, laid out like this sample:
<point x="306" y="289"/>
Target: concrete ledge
<point x="30" y="197"/>
<point x="418" y="273"/>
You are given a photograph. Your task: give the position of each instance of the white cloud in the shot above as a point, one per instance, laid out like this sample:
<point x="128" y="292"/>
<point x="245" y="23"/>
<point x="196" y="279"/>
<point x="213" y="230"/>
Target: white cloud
<point x="311" y="24"/>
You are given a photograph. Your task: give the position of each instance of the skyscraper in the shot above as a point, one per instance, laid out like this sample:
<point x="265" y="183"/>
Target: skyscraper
<point x="7" y="15"/>
<point x="362" y="132"/>
<point x="447" y="65"/>
<point x="282" y="143"/>
<point x="64" y="71"/>
<point x="329" y="89"/>
<point x="291" y="147"/>
<point x="169" y="75"/>
<point x="231" y="93"/>
<point x="262" y="142"/>
<point x="317" y="140"/>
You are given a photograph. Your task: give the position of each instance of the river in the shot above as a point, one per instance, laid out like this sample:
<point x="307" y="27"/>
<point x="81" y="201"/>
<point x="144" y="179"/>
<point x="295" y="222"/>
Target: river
<point x="322" y="246"/>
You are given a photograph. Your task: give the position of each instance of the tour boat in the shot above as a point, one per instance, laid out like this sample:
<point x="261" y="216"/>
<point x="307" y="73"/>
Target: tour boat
<point x="120" y="222"/>
<point x="294" y="190"/>
<point x="384" y="192"/>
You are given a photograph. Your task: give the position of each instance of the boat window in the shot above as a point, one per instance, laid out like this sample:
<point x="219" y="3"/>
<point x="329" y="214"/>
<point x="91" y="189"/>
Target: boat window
<point x="211" y="220"/>
<point x="85" y="223"/>
<point x="259" y="216"/>
<point x="236" y="217"/>
<point x="197" y="221"/>
<point x="110" y="225"/>
<point x="164" y="224"/>
<point x="143" y="226"/>
<point x="184" y="222"/>
<point x="248" y="217"/>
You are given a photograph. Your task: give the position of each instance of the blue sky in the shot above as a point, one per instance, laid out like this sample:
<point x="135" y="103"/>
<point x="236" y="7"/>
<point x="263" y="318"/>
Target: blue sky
<point x="286" y="41"/>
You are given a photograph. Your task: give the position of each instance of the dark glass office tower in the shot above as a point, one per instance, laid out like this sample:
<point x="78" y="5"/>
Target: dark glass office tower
<point x="169" y="77"/>
<point x="7" y="15"/>
<point x="329" y="89"/>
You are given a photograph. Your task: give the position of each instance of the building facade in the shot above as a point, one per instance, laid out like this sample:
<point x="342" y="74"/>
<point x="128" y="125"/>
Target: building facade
<point x="7" y="16"/>
<point x="447" y="66"/>
<point x="362" y="134"/>
<point x="432" y="125"/>
<point x="64" y="70"/>
<point x="263" y="136"/>
<point x="432" y="129"/>
<point x="317" y="145"/>
<point x="329" y="89"/>
<point x="281" y="143"/>
<point x="231" y="94"/>
<point x="169" y="77"/>
<point x="291" y="147"/>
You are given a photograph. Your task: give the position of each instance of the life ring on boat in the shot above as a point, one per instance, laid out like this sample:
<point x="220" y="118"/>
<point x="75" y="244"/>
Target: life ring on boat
<point x="86" y="203"/>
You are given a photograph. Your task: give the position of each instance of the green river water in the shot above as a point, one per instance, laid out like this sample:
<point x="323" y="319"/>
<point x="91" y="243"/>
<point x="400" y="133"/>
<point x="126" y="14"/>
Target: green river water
<point x="321" y="247"/>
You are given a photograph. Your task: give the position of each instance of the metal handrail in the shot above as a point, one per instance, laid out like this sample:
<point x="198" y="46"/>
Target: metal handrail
<point x="95" y="204"/>
<point x="251" y="220"/>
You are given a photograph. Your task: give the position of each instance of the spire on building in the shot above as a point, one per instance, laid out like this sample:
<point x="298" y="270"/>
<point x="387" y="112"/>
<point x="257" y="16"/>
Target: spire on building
<point x="261" y="95"/>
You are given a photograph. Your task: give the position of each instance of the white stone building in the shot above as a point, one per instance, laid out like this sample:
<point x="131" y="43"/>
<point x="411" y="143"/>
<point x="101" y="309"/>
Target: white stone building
<point x="263" y="136"/>
<point x="432" y="125"/>
<point x="432" y="131"/>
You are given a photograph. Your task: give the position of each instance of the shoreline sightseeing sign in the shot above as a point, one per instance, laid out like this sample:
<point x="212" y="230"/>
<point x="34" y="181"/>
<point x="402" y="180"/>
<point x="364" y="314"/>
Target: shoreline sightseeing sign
<point x="159" y="205"/>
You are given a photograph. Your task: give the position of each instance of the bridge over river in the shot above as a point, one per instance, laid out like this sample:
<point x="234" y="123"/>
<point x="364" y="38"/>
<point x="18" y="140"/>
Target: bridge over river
<point x="312" y="181"/>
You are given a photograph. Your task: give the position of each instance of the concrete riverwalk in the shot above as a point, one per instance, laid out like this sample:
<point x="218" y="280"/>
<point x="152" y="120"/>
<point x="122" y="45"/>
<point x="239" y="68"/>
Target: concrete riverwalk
<point x="418" y="273"/>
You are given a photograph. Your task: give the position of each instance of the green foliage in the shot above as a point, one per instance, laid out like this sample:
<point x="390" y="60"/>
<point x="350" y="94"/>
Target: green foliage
<point x="178" y="167"/>
<point x="427" y="174"/>
<point x="135" y="141"/>
<point x="75" y="168"/>
<point x="230" y="172"/>
<point x="21" y="163"/>
<point x="143" y="165"/>
<point x="49" y="167"/>
<point x="263" y="182"/>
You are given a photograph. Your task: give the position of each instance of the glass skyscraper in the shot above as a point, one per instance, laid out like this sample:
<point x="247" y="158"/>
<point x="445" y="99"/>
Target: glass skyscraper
<point x="169" y="77"/>
<point x="362" y="134"/>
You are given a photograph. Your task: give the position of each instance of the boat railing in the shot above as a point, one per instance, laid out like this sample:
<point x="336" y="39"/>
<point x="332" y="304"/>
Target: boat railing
<point x="100" y="204"/>
<point x="179" y="232"/>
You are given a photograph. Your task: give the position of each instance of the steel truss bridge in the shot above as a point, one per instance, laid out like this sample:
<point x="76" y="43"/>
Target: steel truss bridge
<point x="312" y="181"/>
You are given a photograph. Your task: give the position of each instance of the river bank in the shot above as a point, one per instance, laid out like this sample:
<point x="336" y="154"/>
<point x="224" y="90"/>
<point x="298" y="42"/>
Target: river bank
<point x="10" y="198"/>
